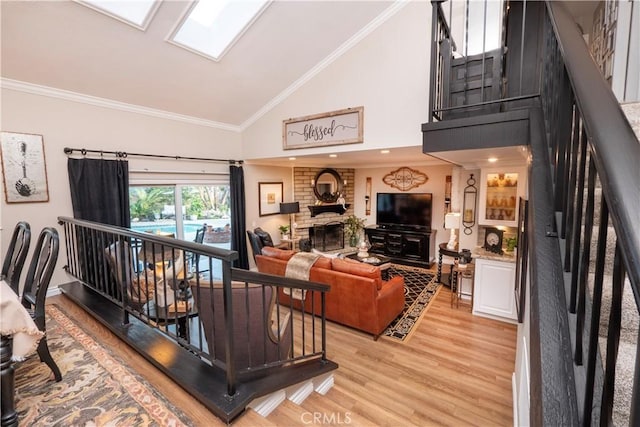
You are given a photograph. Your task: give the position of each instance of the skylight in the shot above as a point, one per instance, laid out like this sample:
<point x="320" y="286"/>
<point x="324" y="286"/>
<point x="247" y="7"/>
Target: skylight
<point x="135" y="12"/>
<point x="212" y="27"/>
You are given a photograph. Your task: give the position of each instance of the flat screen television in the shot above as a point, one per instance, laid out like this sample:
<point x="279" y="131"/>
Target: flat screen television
<point x="404" y="210"/>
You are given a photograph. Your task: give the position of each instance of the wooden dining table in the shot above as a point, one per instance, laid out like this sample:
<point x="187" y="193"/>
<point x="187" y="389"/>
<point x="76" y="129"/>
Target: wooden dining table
<point x="19" y="338"/>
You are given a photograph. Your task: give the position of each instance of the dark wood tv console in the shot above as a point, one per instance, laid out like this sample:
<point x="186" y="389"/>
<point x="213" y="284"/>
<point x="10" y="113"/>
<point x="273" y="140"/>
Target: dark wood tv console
<point x="403" y="245"/>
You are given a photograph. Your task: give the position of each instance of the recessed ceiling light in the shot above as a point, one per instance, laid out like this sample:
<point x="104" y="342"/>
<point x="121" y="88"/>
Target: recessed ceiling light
<point x="292" y="158"/>
<point x="333" y="155"/>
<point x="492" y="159"/>
<point x="384" y="151"/>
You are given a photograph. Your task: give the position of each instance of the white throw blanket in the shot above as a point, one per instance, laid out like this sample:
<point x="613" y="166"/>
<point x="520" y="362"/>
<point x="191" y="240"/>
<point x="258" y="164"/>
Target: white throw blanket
<point x="299" y="267"/>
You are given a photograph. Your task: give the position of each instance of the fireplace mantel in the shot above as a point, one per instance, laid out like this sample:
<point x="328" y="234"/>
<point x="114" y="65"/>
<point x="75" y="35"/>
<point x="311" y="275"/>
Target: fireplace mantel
<point x="319" y="209"/>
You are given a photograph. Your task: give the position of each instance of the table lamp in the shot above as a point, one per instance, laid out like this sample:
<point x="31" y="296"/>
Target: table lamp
<point x="290" y="208"/>
<point x="452" y="222"/>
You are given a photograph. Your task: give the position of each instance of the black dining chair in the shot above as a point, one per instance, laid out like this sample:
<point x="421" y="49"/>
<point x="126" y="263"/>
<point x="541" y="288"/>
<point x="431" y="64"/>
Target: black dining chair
<point x="16" y="255"/>
<point x="36" y="283"/>
<point x="195" y="264"/>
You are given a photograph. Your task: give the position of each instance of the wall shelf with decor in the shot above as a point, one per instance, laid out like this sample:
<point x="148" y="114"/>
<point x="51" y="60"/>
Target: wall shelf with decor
<point x="500" y="190"/>
<point x="320" y="209"/>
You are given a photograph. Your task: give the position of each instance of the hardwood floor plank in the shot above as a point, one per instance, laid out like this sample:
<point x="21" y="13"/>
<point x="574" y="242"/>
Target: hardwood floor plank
<point x="454" y="370"/>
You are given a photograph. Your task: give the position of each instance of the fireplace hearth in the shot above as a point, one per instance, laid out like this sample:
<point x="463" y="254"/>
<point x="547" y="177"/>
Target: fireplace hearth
<point x="327" y="237"/>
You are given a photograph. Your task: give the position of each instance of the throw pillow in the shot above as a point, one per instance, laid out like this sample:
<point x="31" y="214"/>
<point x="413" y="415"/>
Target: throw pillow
<point x="264" y="236"/>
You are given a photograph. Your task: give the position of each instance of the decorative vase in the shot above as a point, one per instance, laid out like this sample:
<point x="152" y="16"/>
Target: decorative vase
<point x="363" y="249"/>
<point x="353" y="240"/>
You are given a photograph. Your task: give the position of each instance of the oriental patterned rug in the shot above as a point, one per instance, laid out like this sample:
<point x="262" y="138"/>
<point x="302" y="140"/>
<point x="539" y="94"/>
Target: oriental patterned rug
<point x="97" y="388"/>
<point x="420" y="288"/>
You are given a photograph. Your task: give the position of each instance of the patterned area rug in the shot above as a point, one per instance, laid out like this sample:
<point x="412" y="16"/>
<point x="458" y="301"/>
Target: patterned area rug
<point x="420" y="288"/>
<point x="97" y="388"/>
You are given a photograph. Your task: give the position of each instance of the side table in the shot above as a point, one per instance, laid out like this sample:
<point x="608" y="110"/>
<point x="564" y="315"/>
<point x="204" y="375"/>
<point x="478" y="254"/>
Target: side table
<point x="448" y="252"/>
<point x="459" y="274"/>
<point x="291" y="243"/>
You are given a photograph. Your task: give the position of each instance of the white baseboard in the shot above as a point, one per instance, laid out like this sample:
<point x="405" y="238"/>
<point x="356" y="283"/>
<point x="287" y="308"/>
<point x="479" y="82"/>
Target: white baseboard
<point x="514" y="397"/>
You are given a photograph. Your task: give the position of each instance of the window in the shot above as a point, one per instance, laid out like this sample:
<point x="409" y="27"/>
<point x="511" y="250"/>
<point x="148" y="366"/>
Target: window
<point x="210" y="28"/>
<point x="136" y="13"/>
<point x="483" y="35"/>
<point x="180" y="210"/>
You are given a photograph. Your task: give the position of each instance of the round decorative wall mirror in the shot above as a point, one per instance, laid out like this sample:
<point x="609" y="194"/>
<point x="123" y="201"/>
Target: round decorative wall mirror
<point x="328" y="185"/>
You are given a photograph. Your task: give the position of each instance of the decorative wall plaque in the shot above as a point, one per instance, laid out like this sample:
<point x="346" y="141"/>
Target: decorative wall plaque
<point x="405" y="178"/>
<point x="319" y="130"/>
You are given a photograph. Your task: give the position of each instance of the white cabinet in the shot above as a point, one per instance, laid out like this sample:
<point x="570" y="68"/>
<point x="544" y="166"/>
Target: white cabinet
<point x="500" y="191"/>
<point x="494" y="289"/>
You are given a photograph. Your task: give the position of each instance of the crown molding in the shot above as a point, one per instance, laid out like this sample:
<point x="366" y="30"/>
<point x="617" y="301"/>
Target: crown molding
<point x="333" y="56"/>
<point x="67" y="95"/>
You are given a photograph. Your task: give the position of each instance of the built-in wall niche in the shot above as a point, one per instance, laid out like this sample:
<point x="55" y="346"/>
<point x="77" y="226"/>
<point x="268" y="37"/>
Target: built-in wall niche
<point x="500" y="190"/>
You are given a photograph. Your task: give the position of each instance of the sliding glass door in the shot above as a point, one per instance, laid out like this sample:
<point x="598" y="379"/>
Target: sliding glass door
<point x="179" y="210"/>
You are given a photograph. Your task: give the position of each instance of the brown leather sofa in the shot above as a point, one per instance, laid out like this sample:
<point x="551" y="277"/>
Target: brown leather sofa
<point x="358" y="297"/>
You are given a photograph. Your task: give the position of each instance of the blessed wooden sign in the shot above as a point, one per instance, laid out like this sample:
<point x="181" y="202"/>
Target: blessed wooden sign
<point x="319" y="130"/>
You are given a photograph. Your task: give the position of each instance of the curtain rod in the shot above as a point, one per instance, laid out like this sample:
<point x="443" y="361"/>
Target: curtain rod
<point x="201" y="172"/>
<point x="124" y="154"/>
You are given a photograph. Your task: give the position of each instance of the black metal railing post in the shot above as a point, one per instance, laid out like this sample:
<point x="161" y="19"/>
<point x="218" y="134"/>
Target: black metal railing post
<point x="229" y="342"/>
<point x="434" y="55"/>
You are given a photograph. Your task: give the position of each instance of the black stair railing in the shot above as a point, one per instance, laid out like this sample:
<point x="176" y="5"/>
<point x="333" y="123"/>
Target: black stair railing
<point x="190" y="293"/>
<point x="584" y="190"/>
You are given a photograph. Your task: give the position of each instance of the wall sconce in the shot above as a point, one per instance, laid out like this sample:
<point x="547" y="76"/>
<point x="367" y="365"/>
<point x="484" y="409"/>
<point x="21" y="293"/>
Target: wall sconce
<point x="469" y="205"/>
<point x="313" y="182"/>
<point x="367" y="197"/>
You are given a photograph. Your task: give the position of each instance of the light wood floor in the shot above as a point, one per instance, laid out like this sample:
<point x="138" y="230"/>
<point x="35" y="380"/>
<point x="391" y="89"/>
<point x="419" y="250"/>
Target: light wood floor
<point x="455" y="370"/>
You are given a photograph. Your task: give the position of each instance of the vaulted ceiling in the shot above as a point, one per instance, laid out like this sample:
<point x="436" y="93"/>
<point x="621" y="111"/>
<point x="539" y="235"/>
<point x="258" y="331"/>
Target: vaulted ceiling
<point x="66" y="45"/>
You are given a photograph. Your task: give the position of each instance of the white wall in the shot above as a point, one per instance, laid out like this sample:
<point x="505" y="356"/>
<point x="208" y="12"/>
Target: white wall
<point x="73" y="124"/>
<point x="387" y="73"/>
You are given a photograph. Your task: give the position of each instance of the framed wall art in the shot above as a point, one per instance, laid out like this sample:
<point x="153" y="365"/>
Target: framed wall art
<point x="319" y="130"/>
<point x="24" y="169"/>
<point x="269" y="198"/>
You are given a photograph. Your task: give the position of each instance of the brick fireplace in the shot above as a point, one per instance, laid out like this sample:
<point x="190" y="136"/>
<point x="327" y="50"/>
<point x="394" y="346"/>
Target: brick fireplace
<point x="303" y="193"/>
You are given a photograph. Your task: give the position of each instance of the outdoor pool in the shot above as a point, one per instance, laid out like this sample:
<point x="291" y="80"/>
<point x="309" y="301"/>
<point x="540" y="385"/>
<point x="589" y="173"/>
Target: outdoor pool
<point x="165" y="228"/>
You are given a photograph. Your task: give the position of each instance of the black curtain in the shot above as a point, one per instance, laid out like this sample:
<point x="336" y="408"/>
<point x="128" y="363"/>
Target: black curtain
<point x="238" y="215"/>
<point x="100" y="190"/>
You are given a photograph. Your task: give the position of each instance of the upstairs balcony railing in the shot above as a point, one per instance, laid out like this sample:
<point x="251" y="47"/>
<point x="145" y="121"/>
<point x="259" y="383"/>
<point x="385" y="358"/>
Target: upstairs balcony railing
<point x="473" y="82"/>
<point x="230" y="318"/>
